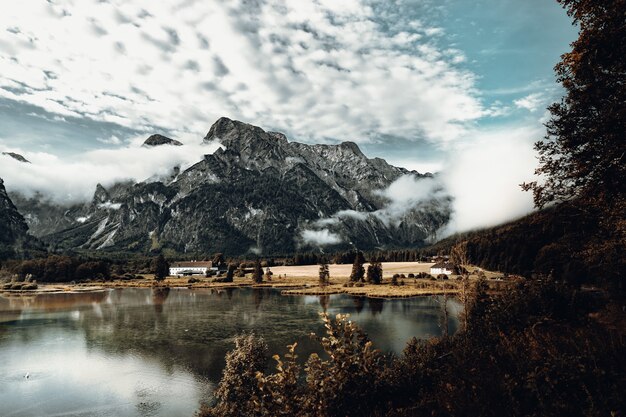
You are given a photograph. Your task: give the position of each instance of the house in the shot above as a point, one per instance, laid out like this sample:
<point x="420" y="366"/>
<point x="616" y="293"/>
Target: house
<point x="190" y="268"/>
<point x="444" y="267"/>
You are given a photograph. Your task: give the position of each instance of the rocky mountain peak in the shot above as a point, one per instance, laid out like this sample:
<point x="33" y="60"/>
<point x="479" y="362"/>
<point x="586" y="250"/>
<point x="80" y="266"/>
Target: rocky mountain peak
<point x="158" y="140"/>
<point x="101" y="195"/>
<point x="352" y="147"/>
<point x="16" y="156"/>
<point x="239" y="136"/>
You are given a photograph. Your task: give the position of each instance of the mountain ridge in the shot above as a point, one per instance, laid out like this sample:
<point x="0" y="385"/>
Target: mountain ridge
<point x="258" y="192"/>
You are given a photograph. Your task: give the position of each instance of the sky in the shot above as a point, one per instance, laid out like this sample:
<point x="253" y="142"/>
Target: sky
<point x="450" y="86"/>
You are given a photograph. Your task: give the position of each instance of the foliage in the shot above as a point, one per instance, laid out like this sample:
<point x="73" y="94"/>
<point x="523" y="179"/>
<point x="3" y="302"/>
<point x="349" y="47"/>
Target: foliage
<point x="340" y="385"/>
<point x="238" y="391"/>
<point x="374" y="273"/>
<point x="358" y="272"/>
<point x="257" y="274"/>
<point x="161" y="268"/>
<point x="230" y="273"/>
<point x="218" y="260"/>
<point x="584" y="152"/>
<point x="324" y="274"/>
<point x="57" y="268"/>
<point x="533" y="351"/>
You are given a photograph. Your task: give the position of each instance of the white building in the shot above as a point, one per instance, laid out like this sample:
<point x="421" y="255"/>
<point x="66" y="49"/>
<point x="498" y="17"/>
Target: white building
<point x="447" y="268"/>
<point x="190" y="268"/>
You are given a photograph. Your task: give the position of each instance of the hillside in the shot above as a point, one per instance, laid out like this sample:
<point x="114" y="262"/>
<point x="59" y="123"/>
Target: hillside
<point x="566" y="241"/>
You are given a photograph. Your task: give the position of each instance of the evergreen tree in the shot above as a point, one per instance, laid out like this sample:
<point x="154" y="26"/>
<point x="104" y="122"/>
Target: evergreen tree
<point x="324" y="274"/>
<point x="358" y="272"/>
<point x="584" y="151"/>
<point x="230" y="274"/>
<point x="257" y="275"/>
<point x="375" y="273"/>
<point x="161" y="268"/>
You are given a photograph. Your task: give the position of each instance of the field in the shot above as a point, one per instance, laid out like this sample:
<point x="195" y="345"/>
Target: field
<point x="301" y="280"/>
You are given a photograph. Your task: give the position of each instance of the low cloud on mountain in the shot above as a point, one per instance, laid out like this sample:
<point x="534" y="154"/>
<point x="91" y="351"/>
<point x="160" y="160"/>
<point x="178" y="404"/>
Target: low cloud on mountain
<point x="72" y="179"/>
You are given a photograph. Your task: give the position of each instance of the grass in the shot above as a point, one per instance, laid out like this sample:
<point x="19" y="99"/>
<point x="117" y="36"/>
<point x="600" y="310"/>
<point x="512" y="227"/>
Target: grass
<point x="304" y="280"/>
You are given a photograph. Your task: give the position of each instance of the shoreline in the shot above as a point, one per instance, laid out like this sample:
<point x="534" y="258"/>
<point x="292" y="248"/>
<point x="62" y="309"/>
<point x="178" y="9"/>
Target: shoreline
<point x="288" y="287"/>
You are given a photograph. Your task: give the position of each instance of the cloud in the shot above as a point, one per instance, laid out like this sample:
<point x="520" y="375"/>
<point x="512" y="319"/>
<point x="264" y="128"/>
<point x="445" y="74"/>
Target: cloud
<point x="483" y="177"/>
<point x="480" y="179"/>
<point x="73" y="179"/>
<point x="316" y="70"/>
<point x="320" y="237"/>
<point x="531" y="102"/>
<point x="112" y="140"/>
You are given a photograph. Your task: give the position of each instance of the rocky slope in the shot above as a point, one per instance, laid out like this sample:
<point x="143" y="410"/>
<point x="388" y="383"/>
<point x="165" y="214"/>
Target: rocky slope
<point x="13" y="228"/>
<point x="259" y="192"/>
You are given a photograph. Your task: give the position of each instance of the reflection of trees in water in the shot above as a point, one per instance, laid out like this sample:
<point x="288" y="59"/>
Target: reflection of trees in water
<point x="324" y="300"/>
<point x="359" y="302"/>
<point x="258" y="297"/>
<point x="57" y="301"/>
<point x="159" y="296"/>
<point x="376" y="305"/>
<point x="199" y="326"/>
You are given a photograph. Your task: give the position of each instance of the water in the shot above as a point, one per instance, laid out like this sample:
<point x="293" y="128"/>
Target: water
<point x="145" y="352"/>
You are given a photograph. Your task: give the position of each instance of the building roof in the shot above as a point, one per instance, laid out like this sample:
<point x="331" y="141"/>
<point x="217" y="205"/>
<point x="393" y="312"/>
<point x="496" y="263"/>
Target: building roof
<point x="193" y="264"/>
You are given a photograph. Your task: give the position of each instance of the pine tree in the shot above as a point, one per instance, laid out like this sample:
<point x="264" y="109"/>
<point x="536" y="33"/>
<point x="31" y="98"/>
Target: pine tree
<point x="358" y="272"/>
<point x="324" y="274"/>
<point x="230" y="274"/>
<point x="161" y="268"/>
<point x="257" y="275"/>
<point x="375" y="273"/>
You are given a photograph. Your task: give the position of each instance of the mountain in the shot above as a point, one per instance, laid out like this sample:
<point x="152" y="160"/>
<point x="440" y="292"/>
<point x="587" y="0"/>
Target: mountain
<point x="258" y="192"/>
<point x="158" y="140"/>
<point x="16" y="156"/>
<point x="13" y="228"/>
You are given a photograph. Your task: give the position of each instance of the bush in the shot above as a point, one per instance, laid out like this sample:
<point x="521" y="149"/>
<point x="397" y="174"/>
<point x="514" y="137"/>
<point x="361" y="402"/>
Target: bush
<point x="531" y="351"/>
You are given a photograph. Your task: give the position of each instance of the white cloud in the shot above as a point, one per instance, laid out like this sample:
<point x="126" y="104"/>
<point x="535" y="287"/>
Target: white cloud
<point x="320" y="237"/>
<point x="316" y="70"/>
<point x="531" y="102"/>
<point x="73" y="179"/>
<point x="112" y="140"/>
<point x="483" y="177"/>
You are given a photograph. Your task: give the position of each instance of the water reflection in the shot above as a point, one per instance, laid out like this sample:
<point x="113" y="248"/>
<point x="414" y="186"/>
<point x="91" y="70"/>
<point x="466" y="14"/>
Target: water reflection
<point x="159" y="351"/>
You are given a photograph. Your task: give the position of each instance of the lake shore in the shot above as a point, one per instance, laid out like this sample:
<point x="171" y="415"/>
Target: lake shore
<point x="297" y="280"/>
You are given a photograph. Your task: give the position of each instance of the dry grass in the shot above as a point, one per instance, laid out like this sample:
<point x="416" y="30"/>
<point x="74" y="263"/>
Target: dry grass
<point x="297" y="280"/>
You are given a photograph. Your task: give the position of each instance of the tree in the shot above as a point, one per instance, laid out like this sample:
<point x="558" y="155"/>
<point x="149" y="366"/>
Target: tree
<point x="161" y="268"/>
<point x="238" y="389"/>
<point x="324" y="274"/>
<point x="257" y="275"/>
<point x="268" y="274"/>
<point x="375" y="273"/>
<point x="230" y="273"/>
<point x="358" y="272"/>
<point x="584" y="151"/>
<point x="218" y="260"/>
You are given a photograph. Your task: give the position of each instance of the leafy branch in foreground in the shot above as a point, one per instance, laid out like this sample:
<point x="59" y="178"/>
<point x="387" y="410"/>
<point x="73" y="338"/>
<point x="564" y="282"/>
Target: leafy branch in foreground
<point x="532" y="351"/>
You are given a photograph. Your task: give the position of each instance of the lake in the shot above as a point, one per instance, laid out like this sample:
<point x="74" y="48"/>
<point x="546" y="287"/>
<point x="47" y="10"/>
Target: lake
<point x="160" y="352"/>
